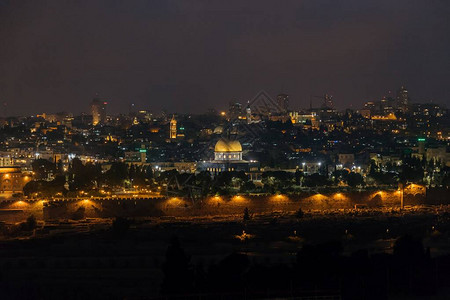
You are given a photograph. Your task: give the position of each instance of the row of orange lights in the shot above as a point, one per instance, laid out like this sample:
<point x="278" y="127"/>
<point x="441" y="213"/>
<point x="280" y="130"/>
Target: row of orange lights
<point x="241" y="198"/>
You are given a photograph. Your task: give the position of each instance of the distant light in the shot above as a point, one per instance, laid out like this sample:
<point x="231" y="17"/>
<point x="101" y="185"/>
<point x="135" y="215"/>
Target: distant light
<point x="238" y="198"/>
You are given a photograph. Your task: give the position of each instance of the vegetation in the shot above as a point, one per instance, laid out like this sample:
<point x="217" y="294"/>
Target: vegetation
<point x="299" y="214"/>
<point x="93" y="179"/>
<point x="22" y="229"/>
<point x="246" y="216"/>
<point x="321" y="267"/>
<point x="120" y="225"/>
<point x="177" y="270"/>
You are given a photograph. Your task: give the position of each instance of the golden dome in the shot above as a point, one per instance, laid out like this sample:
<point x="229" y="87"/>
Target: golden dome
<point x="224" y="145"/>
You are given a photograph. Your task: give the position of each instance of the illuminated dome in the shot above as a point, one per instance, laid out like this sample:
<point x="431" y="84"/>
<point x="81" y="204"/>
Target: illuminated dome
<point x="228" y="146"/>
<point x="228" y="150"/>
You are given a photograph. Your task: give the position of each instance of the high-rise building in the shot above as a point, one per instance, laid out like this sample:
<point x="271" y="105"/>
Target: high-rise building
<point x="283" y="101"/>
<point x="234" y="110"/>
<point x="402" y="100"/>
<point x="173" y="128"/>
<point x="328" y="101"/>
<point x="98" y="111"/>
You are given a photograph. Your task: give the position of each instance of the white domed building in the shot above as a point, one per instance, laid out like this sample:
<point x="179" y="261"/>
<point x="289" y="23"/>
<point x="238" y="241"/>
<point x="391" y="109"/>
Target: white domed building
<point x="228" y="157"/>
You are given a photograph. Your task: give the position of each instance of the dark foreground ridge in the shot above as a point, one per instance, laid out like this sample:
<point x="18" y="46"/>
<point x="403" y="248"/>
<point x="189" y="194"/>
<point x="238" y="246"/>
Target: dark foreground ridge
<point x="291" y="256"/>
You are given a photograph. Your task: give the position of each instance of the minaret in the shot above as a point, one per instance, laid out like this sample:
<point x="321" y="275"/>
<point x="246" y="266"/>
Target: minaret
<point x="173" y="128"/>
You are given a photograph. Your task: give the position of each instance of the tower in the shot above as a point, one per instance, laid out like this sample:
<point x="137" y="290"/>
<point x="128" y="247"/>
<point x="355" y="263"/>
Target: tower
<point x="173" y="128"/>
<point x="402" y="99"/>
<point x="98" y="111"/>
<point x="248" y="111"/>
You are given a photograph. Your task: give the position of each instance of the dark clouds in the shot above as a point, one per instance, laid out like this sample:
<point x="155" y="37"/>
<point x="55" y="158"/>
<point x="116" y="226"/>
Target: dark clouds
<point x="191" y="55"/>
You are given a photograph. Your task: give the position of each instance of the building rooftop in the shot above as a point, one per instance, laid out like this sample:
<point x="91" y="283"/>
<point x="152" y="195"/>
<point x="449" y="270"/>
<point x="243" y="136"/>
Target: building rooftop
<point x="225" y="145"/>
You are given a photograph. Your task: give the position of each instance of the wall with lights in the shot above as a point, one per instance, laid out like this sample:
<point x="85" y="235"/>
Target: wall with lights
<point x="216" y="205"/>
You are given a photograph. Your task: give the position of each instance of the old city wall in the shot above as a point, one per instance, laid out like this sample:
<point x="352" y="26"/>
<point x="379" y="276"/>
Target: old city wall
<point x="14" y="211"/>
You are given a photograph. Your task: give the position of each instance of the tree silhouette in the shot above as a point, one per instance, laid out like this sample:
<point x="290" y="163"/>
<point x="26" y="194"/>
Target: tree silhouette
<point x="299" y="214"/>
<point x="246" y="216"/>
<point x="178" y="276"/>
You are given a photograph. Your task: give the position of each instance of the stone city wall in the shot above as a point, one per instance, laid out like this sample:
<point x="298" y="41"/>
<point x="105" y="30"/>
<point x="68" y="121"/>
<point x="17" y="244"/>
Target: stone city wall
<point x="15" y="211"/>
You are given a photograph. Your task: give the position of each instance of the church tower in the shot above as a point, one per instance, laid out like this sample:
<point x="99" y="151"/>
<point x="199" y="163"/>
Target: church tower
<point x="248" y="111"/>
<point x="173" y="128"/>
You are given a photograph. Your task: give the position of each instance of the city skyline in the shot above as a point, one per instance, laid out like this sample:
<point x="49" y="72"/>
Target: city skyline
<point x="210" y="149"/>
<point x="190" y="57"/>
<point x="287" y="105"/>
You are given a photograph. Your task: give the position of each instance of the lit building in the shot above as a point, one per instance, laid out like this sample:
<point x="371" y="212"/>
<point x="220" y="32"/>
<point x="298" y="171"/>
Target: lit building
<point x="346" y="159"/>
<point x="305" y="119"/>
<point x="421" y="144"/>
<point x="136" y="156"/>
<point x="328" y="101"/>
<point x="402" y="99"/>
<point x="312" y="167"/>
<point x="382" y="107"/>
<point x="226" y="150"/>
<point x="438" y="154"/>
<point x="6" y="161"/>
<point x="234" y="110"/>
<point x="180" y="166"/>
<point x="248" y="112"/>
<point x="228" y="157"/>
<point x="173" y="128"/>
<point x="12" y="180"/>
<point x="283" y="101"/>
<point x="98" y="111"/>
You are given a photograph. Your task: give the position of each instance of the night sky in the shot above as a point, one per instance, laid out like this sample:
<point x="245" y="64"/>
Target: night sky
<point x="187" y="56"/>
